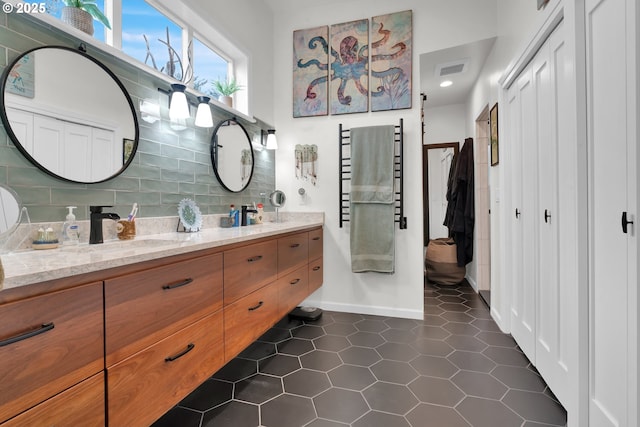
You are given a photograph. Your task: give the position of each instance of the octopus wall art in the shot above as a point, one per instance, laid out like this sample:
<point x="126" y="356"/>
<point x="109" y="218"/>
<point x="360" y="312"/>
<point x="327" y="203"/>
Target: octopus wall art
<point x="348" y="72"/>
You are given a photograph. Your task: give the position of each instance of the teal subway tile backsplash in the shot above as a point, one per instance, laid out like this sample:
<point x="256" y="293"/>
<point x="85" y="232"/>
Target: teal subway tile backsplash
<point x="170" y="165"/>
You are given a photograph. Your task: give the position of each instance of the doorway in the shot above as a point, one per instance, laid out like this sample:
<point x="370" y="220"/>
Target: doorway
<point x="436" y="163"/>
<point x="483" y="207"/>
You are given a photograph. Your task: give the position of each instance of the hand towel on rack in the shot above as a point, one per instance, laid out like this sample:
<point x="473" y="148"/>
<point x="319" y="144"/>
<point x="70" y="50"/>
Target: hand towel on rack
<point x="372" y="201"/>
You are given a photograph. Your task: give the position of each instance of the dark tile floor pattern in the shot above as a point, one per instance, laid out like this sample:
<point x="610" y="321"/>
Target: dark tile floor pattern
<point x="454" y="369"/>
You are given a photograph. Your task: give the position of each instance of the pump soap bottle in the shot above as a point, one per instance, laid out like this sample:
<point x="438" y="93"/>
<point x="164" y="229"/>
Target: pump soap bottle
<point x="70" y="230"/>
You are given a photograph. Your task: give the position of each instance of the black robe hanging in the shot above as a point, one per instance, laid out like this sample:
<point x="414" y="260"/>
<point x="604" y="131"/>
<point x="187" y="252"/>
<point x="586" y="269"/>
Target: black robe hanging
<point x="460" y="215"/>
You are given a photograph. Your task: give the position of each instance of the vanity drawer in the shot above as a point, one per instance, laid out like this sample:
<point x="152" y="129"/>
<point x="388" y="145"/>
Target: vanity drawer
<point x="81" y="405"/>
<point x="315" y="274"/>
<point x="48" y="344"/>
<point x="144" y="386"/>
<point x="292" y="289"/>
<point x="315" y="243"/>
<point x="249" y="268"/>
<point x="293" y="252"/>
<point x="248" y="318"/>
<point x="145" y="307"/>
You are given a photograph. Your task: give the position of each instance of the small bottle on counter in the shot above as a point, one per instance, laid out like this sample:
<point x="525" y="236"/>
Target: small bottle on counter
<point x="259" y="215"/>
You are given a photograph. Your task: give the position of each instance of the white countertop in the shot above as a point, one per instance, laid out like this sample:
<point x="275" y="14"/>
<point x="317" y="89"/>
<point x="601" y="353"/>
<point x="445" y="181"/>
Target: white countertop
<point x="33" y="266"/>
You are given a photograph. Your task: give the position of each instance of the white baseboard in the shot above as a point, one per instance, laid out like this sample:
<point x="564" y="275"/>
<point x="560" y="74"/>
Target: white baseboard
<point x="498" y="319"/>
<point x="366" y="309"/>
<point x="472" y="282"/>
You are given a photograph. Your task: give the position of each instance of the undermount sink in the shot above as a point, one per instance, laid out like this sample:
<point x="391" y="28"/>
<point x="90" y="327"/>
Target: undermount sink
<point x="120" y="245"/>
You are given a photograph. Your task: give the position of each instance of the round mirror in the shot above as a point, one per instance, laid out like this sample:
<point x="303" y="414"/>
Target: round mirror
<point x="68" y="114"/>
<point x="277" y="198"/>
<point x="10" y="207"/>
<point x="232" y="155"/>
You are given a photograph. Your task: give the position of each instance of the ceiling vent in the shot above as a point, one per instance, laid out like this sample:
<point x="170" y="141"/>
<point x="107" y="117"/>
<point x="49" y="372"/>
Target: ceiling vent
<point x="452" y="67"/>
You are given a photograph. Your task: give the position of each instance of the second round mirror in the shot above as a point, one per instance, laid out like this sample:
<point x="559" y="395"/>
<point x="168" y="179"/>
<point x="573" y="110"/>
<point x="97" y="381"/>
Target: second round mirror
<point x="232" y="155"/>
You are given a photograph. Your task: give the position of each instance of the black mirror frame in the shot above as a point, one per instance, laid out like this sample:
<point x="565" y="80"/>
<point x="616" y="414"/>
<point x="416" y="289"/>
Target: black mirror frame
<point x="7" y="125"/>
<point x="214" y="149"/>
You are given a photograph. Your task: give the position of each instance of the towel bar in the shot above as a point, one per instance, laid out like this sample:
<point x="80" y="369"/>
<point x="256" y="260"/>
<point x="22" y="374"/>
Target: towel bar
<point x="345" y="175"/>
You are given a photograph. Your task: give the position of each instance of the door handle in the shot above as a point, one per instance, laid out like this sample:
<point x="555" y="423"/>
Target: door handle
<point x="625" y="222"/>
<point x="547" y="215"/>
<point x="517" y="213"/>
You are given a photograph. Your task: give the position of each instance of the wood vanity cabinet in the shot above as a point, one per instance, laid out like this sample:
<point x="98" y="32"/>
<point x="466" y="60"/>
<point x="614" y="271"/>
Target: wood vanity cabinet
<point x="126" y="348"/>
<point x="48" y="344"/>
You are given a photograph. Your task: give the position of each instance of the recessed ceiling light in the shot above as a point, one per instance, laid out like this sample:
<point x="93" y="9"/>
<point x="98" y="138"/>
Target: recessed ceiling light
<point x="446" y="83"/>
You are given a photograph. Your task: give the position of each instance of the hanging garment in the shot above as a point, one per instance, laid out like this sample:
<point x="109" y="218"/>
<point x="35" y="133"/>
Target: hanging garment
<point x="372" y="216"/>
<point x="460" y="218"/>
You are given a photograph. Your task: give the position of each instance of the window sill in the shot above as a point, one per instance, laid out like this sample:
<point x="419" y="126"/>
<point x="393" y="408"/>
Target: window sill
<point x="49" y="20"/>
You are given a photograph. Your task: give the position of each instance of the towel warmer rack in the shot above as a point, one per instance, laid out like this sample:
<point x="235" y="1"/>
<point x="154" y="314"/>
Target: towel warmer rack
<point x="345" y="174"/>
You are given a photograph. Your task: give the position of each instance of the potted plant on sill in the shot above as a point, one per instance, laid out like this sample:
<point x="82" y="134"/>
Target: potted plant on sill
<point x="225" y="89"/>
<point x="81" y="13"/>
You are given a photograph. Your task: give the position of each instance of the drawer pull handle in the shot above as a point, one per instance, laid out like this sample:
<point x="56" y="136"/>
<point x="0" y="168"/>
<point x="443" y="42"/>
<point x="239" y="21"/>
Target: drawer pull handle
<point x="182" y="353"/>
<point x="295" y="245"/>
<point x="177" y="285"/>
<point x="316" y="238"/>
<point x="316" y="268"/>
<point x="255" y="258"/>
<point x="44" y="328"/>
<point x="294" y="281"/>
<point x="255" y="307"/>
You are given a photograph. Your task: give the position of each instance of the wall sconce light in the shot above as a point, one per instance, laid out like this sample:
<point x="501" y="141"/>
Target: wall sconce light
<point x="271" y="141"/>
<point x="149" y="111"/>
<point x="203" y="114"/>
<point x="178" y="106"/>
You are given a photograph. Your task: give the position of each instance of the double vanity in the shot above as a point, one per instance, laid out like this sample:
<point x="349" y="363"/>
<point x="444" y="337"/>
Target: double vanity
<point x="117" y="334"/>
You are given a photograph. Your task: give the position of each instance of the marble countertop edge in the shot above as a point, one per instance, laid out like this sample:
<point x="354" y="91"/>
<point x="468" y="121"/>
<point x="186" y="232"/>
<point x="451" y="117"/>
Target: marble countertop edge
<point x="34" y="266"/>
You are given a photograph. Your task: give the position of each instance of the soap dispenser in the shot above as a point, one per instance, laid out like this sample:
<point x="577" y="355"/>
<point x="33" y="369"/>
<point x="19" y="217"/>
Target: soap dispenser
<point x="70" y="230"/>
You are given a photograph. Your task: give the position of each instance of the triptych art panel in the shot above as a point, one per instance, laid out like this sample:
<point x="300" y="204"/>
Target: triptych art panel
<point x="331" y="69"/>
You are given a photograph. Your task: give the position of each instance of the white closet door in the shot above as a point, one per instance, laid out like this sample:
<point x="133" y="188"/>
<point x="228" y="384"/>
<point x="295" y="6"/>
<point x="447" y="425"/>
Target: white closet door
<point x="76" y="156"/>
<point x="524" y="213"/>
<point x="612" y="78"/>
<point x="48" y="142"/>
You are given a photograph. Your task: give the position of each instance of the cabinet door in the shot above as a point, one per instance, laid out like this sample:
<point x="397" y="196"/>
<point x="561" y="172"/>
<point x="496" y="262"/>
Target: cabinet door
<point x="293" y="252"/>
<point x="249" y="268"/>
<point x="144" y="386"/>
<point x="81" y="405"/>
<point x="612" y="97"/>
<point x="292" y="289"/>
<point x="49" y="343"/>
<point x="248" y="318"/>
<point x="144" y="307"/>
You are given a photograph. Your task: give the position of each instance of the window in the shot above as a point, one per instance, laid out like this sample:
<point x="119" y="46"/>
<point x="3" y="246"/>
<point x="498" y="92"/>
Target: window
<point x="156" y="33"/>
<point x="152" y="38"/>
<point x="208" y="66"/>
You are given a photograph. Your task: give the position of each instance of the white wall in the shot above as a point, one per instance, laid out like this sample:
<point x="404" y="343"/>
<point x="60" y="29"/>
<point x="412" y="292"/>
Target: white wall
<point x="436" y="25"/>
<point x="445" y="124"/>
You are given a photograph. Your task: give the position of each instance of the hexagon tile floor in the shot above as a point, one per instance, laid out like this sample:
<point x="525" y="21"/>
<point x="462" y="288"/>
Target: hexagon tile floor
<point x="453" y="369"/>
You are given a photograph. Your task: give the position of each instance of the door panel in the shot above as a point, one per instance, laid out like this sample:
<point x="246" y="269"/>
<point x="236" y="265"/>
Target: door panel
<point x="523" y="296"/>
<point x="611" y="72"/>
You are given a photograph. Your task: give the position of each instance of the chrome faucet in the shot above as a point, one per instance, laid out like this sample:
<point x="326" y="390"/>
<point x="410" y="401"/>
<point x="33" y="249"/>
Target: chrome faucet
<point x="95" y="232"/>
